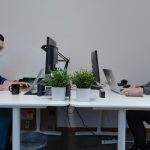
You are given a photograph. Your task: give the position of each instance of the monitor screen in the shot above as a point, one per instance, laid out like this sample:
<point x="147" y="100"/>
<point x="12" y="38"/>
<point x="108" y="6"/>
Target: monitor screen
<point x="95" y="66"/>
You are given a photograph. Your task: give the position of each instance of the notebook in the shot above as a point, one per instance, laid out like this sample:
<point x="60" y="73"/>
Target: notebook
<point x="111" y="81"/>
<point x="31" y="88"/>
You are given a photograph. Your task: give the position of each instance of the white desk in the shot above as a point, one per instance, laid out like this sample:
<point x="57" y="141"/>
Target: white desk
<point x="114" y="101"/>
<point x="24" y="101"/>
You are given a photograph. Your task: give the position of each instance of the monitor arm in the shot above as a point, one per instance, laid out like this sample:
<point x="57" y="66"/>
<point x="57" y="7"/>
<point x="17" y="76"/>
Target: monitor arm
<point x="64" y="59"/>
<point x="67" y="60"/>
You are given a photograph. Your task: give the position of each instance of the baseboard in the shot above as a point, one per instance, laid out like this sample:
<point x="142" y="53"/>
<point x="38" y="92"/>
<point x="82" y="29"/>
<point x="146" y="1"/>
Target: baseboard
<point x="75" y="129"/>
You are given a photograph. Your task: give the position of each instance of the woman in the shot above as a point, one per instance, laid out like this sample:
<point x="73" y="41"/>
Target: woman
<point x="135" y="118"/>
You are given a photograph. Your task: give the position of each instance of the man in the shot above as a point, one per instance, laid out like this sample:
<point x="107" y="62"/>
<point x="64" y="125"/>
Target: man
<point x="6" y="113"/>
<point x="135" y="118"/>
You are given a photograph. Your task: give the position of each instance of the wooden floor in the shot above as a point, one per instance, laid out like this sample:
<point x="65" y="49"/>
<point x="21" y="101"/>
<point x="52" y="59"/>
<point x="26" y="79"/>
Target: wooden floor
<point x="68" y="141"/>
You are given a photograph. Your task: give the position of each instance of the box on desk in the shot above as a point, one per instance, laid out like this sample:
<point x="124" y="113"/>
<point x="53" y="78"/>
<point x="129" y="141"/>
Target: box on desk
<point x="28" y="119"/>
<point x="48" y="119"/>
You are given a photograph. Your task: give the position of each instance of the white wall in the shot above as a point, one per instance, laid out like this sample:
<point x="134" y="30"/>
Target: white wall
<point x="118" y="29"/>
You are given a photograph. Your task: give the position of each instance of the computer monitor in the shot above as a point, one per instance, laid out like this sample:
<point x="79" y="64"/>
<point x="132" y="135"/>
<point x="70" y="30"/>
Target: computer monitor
<point x="95" y="66"/>
<point x="51" y="54"/>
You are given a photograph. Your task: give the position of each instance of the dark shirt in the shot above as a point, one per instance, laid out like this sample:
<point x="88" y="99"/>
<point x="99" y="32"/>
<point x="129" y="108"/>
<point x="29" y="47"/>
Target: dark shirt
<point x="2" y="80"/>
<point x="147" y="88"/>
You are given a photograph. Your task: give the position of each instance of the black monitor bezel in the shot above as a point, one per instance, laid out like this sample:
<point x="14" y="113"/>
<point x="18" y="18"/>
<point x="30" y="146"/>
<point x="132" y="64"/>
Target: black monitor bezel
<point x="95" y="65"/>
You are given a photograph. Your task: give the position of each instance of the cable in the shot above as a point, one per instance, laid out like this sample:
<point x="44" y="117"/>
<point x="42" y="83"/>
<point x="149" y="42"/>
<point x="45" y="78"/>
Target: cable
<point x="66" y="111"/>
<point x="83" y="121"/>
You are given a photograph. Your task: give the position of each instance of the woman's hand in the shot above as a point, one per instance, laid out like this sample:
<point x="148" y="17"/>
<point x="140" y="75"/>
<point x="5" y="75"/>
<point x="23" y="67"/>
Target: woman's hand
<point x="133" y="91"/>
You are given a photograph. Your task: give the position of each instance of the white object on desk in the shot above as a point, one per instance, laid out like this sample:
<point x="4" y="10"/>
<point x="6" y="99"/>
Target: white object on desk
<point x="83" y="94"/>
<point x="58" y="93"/>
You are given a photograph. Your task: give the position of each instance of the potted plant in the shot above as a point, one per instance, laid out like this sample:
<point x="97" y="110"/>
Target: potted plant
<point x="58" y="79"/>
<point x="83" y="79"/>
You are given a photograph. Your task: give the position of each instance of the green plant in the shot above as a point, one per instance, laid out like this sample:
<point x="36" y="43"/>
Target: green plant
<point x="83" y="79"/>
<point x="57" y="78"/>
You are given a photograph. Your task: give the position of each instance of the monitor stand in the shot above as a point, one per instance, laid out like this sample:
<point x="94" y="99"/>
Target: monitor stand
<point x="30" y="93"/>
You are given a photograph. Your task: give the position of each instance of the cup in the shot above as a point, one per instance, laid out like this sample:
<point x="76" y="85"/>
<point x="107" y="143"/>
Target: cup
<point x="14" y="89"/>
<point x="48" y="90"/>
<point x="40" y="89"/>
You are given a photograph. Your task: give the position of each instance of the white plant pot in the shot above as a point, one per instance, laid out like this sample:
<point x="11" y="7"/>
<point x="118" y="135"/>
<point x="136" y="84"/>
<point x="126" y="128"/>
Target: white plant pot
<point x="58" y="93"/>
<point x="83" y="94"/>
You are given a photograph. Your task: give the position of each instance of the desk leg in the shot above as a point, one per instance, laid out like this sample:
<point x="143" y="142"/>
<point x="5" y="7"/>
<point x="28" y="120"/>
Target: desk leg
<point x="38" y="116"/>
<point x="16" y="129"/>
<point x="38" y="122"/>
<point x="121" y="129"/>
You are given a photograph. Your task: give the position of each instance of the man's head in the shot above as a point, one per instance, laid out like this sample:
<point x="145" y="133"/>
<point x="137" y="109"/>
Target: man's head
<point x="1" y="41"/>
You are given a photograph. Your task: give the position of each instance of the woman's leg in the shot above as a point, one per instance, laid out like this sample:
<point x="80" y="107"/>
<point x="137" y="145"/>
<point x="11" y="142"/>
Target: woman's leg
<point x="135" y="122"/>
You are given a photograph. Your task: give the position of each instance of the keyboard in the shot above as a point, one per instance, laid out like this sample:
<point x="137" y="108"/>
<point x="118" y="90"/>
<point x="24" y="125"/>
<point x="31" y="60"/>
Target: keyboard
<point x="96" y="87"/>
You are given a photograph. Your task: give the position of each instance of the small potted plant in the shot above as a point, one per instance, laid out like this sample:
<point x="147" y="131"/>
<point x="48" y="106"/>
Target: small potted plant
<point x="83" y="79"/>
<point x="58" y="79"/>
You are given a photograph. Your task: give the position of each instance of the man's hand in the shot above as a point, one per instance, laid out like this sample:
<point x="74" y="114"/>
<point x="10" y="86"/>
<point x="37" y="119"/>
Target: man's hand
<point x="133" y="91"/>
<point x="7" y="83"/>
<point x="24" y="84"/>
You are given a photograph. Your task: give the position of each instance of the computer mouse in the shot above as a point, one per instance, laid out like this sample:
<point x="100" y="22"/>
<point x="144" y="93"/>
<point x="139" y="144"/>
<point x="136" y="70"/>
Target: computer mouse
<point x="126" y="86"/>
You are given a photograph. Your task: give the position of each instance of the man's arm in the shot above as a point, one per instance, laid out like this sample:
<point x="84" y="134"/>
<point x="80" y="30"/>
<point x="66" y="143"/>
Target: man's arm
<point x="2" y="79"/>
<point x="8" y="83"/>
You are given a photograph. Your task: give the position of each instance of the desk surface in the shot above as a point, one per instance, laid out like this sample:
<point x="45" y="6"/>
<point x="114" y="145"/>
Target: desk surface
<point x="114" y="101"/>
<point x="25" y="101"/>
